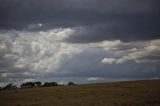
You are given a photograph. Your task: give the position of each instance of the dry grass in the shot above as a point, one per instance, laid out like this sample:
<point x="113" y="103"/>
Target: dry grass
<point x="132" y="93"/>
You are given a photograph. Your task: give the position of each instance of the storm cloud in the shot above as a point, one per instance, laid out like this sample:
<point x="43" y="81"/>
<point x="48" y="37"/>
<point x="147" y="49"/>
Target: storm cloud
<point x="98" y="20"/>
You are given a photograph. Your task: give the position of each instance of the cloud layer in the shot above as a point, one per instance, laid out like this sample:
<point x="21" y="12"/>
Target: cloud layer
<point x="45" y="54"/>
<point x="95" y="20"/>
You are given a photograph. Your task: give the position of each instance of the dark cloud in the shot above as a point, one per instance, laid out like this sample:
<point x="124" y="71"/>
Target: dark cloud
<point x="104" y="19"/>
<point x="54" y="13"/>
<point x="128" y="30"/>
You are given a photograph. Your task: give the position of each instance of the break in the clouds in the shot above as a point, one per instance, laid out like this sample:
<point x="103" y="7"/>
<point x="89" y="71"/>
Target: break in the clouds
<point x="79" y="40"/>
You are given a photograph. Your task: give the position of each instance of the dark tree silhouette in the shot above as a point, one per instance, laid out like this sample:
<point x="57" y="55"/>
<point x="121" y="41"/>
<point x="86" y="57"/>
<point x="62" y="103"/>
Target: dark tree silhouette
<point x="38" y="84"/>
<point x="46" y="84"/>
<point x="71" y="83"/>
<point x="28" y="85"/>
<point x="9" y="87"/>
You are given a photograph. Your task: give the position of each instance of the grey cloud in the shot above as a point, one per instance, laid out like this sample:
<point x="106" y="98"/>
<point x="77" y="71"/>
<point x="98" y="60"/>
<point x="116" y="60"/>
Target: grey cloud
<point x="125" y="30"/>
<point x="7" y="57"/>
<point x="104" y="19"/>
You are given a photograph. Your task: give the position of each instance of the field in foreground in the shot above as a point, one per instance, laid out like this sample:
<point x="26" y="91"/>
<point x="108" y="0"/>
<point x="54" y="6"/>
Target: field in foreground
<point x="131" y="93"/>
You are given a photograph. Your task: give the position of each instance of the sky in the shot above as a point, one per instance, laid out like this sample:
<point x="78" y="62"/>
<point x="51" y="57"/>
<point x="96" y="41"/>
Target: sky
<point x="84" y="41"/>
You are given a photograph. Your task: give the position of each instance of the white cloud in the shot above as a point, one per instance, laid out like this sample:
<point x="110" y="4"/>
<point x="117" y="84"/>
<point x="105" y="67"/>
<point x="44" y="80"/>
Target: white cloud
<point x="93" y="78"/>
<point x="139" y="52"/>
<point x="106" y="45"/>
<point x="28" y="80"/>
<point x="109" y="60"/>
<point x="37" y="51"/>
<point x="62" y="82"/>
<point x="43" y="50"/>
<point x="111" y="45"/>
<point x="155" y="78"/>
<point x="4" y="74"/>
<point x="122" y="60"/>
<point x="114" y="60"/>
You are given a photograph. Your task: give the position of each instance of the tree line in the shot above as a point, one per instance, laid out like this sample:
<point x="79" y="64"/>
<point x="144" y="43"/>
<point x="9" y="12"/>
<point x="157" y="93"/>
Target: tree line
<point x="11" y="86"/>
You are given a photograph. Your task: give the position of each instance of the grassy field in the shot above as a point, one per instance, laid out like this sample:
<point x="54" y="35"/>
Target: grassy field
<point x="131" y="93"/>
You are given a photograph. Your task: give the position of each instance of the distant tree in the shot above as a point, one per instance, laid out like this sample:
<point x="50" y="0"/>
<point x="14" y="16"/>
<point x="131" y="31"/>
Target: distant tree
<point x="23" y="85"/>
<point x="47" y="84"/>
<point x="28" y="85"/>
<point x="53" y="84"/>
<point x="9" y="87"/>
<point x="38" y="84"/>
<point x="71" y="83"/>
